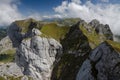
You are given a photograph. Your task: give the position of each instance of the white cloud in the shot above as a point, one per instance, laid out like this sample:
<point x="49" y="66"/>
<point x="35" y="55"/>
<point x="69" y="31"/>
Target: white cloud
<point x="105" y="13"/>
<point x="9" y="11"/>
<point x="76" y="1"/>
<point x="51" y="16"/>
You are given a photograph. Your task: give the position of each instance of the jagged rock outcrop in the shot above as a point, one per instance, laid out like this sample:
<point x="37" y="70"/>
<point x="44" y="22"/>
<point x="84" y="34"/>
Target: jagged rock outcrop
<point x="75" y="50"/>
<point x="103" y="64"/>
<point x="102" y="29"/>
<point x="16" y="35"/>
<point x="35" y="54"/>
<point x="75" y="41"/>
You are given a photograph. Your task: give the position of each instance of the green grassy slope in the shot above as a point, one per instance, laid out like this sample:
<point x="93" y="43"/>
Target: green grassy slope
<point x="115" y="45"/>
<point x="7" y="56"/>
<point x="93" y="38"/>
<point x="54" y="31"/>
<point x="13" y="78"/>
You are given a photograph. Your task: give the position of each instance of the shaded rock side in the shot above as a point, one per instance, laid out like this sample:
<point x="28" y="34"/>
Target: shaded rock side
<point x="103" y="64"/>
<point x="19" y="30"/>
<point x="35" y="55"/>
<point x="75" y="50"/>
<point x="75" y="41"/>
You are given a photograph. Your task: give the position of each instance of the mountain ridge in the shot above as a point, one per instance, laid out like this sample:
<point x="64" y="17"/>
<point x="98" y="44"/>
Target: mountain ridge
<point x="77" y="42"/>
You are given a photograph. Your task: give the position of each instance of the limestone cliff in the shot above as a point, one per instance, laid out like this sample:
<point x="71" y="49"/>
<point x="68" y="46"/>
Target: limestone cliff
<point x="35" y="53"/>
<point x="35" y="56"/>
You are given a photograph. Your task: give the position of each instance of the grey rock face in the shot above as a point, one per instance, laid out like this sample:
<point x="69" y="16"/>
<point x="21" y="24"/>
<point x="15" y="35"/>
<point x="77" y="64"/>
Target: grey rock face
<point x="10" y="69"/>
<point x="35" y="55"/>
<point x="102" y="29"/>
<point x="5" y="44"/>
<point x="94" y="23"/>
<point x="103" y="64"/>
<point x="85" y="72"/>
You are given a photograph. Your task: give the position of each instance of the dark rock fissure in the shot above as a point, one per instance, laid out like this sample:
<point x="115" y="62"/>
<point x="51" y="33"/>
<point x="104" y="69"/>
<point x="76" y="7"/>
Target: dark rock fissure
<point x="94" y="70"/>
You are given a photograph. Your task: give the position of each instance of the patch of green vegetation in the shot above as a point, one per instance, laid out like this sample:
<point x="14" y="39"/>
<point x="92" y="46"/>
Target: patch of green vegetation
<point x="28" y="38"/>
<point x="2" y="78"/>
<point x="13" y="78"/>
<point x="7" y="56"/>
<point x="54" y="31"/>
<point x="93" y="38"/>
<point x="115" y="45"/>
<point x="65" y="21"/>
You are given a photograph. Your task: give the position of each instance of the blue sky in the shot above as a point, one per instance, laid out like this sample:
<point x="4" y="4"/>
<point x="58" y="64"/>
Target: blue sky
<point x="41" y="6"/>
<point x="46" y="6"/>
<point x="106" y="11"/>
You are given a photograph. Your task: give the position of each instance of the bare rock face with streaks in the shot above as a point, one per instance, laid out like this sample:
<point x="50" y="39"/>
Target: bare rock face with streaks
<point x="35" y="55"/>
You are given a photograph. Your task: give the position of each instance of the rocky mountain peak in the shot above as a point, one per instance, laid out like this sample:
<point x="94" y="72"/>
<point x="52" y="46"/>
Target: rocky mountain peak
<point x="94" y="23"/>
<point x="75" y="37"/>
<point x="102" y="29"/>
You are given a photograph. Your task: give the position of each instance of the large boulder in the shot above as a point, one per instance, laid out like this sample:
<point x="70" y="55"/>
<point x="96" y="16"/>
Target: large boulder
<point x="103" y="63"/>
